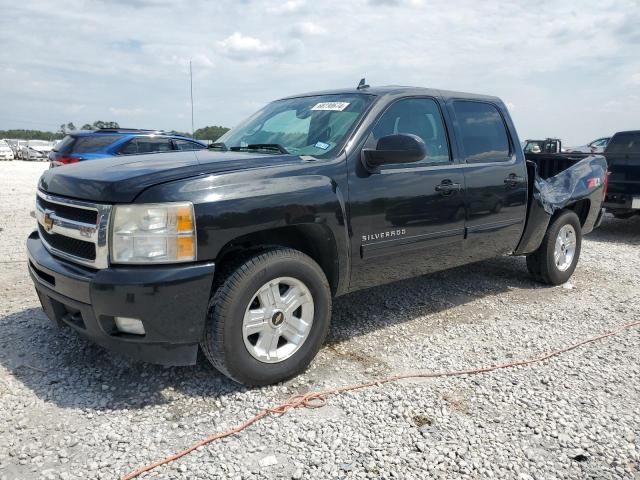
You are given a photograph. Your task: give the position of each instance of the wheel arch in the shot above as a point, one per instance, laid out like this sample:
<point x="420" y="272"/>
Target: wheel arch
<point x="581" y="208"/>
<point x="315" y="240"/>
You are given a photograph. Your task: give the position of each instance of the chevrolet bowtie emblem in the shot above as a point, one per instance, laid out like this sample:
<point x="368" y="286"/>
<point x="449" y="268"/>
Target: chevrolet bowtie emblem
<point x="47" y="222"/>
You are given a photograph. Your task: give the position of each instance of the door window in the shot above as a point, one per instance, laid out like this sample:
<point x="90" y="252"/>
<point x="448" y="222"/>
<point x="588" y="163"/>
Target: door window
<point x="146" y="145"/>
<point x="417" y="116"/>
<point x="187" y="145"/>
<point x="483" y="133"/>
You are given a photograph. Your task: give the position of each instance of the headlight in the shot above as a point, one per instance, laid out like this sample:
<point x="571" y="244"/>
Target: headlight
<point x="153" y="233"/>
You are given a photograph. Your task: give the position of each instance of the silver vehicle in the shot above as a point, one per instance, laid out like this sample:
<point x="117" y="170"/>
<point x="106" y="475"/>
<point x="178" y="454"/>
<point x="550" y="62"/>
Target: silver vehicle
<point x="596" y="146"/>
<point x="6" y="153"/>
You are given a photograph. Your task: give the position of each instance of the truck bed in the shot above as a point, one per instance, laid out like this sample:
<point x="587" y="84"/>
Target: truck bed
<point x="551" y="164"/>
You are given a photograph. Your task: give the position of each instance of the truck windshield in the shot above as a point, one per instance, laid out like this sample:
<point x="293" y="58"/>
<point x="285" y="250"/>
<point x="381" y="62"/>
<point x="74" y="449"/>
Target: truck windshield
<point x="316" y="125"/>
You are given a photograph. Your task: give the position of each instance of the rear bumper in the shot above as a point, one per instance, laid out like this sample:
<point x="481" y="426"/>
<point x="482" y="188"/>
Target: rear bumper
<point x="171" y="301"/>
<point x="622" y="202"/>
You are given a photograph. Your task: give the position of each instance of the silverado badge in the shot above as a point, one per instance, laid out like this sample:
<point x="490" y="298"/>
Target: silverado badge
<point x="384" y="235"/>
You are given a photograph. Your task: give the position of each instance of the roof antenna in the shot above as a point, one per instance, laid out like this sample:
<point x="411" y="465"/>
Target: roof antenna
<point x="362" y="85"/>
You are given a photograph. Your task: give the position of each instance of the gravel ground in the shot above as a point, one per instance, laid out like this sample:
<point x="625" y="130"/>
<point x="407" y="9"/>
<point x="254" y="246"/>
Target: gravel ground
<point x="69" y="409"/>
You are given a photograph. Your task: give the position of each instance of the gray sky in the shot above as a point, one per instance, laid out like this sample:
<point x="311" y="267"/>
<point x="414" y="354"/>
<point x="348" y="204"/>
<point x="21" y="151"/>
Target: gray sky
<point x="567" y="69"/>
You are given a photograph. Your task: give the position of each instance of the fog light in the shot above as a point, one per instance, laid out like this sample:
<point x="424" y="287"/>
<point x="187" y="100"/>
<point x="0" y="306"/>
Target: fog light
<point x="129" y="325"/>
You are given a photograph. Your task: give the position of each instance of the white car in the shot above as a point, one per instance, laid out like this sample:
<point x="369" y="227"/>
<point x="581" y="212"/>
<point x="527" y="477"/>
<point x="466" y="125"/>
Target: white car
<point x="6" y="153"/>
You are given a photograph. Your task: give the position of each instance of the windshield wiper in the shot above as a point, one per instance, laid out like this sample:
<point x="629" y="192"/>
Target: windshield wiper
<point x="276" y="147"/>
<point x="218" y="146"/>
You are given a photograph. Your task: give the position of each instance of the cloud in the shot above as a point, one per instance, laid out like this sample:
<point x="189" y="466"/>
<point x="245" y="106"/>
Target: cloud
<point x="395" y="3"/>
<point x="290" y="6"/>
<point x="244" y="47"/>
<point x="126" y="111"/>
<point x="634" y="79"/>
<point x="130" y="44"/>
<point x="306" y="29"/>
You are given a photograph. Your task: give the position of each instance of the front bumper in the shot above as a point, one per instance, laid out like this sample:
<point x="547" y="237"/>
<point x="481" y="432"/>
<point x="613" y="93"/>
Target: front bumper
<point x="171" y="301"/>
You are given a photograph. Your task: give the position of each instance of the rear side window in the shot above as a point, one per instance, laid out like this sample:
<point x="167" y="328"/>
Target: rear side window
<point x="625" y="143"/>
<point x="484" y="135"/>
<point x="91" y="144"/>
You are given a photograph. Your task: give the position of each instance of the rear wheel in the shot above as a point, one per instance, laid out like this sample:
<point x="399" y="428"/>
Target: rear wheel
<point x="268" y="318"/>
<point x="555" y="260"/>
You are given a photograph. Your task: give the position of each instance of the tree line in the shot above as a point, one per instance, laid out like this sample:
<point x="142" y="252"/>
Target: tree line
<point x="205" y="133"/>
<point x="210" y="133"/>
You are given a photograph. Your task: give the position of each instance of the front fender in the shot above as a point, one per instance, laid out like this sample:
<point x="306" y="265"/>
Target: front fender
<point x="231" y="206"/>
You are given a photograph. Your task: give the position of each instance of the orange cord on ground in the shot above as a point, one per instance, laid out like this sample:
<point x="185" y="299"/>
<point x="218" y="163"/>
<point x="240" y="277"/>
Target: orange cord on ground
<point x="318" y="399"/>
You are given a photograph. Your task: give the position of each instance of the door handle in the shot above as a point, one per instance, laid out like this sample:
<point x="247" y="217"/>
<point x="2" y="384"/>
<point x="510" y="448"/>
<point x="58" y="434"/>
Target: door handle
<point x="447" y="187"/>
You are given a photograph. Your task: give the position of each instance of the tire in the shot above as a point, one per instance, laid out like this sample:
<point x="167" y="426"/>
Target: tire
<point x="226" y="343"/>
<point x="542" y="264"/>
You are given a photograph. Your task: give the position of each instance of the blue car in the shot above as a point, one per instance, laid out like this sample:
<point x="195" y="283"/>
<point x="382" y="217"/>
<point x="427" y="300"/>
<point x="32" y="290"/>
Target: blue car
<point x="108" y="142"/>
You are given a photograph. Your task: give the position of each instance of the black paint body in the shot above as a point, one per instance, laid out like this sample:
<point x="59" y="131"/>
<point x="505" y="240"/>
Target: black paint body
<point x="365" y="227"/>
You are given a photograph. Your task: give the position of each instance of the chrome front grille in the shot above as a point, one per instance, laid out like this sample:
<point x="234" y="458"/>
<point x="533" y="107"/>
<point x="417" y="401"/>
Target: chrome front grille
<point x="74" y="230"/>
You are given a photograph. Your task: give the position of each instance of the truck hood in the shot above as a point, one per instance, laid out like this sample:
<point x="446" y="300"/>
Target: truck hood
<point x="122" y="179"/>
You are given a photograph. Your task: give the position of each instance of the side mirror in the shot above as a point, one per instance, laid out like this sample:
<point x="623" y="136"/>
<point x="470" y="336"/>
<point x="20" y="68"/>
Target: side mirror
<point x="400" y="148"/>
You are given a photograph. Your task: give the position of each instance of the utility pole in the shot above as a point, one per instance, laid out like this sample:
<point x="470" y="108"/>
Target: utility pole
<point x="191" y="83"/>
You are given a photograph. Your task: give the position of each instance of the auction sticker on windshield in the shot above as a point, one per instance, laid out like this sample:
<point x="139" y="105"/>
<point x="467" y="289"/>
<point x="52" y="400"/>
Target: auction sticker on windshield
<point x="336" y="106"/>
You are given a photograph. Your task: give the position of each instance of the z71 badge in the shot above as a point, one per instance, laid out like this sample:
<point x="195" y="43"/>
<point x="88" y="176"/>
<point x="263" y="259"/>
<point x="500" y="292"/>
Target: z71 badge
<point x="384" y="235"/>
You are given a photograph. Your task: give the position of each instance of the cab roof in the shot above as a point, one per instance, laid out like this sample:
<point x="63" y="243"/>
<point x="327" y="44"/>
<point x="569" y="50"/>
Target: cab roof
<point x="395" y="90"/>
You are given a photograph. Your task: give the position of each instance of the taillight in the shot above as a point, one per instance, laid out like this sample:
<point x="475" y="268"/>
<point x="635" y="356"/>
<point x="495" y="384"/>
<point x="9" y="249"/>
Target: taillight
<point x="66" y="160"/>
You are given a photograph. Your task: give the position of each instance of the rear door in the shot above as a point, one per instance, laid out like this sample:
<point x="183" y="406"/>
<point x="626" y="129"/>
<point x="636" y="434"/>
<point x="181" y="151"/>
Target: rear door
<point x="495" y="179"/>
<point x="403" y="221"/>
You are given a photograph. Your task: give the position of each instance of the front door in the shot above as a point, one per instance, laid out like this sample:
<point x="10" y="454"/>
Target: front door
<point x="406" y="219"/>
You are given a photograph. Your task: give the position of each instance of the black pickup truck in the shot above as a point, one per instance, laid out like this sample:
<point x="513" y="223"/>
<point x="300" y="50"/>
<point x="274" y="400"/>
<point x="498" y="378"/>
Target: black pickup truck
<point x="240" y="249"/>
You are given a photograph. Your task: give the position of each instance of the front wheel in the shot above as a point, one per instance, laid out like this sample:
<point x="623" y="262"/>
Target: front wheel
<point x="557" y="257"/>
<point x="268" y="318"/>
